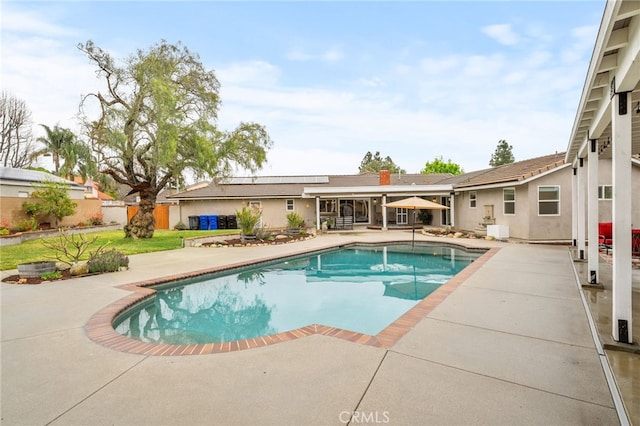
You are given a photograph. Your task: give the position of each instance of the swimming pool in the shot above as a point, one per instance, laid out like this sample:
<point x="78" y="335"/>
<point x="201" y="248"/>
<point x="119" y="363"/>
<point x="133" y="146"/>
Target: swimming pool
<point x="358" y="288"/>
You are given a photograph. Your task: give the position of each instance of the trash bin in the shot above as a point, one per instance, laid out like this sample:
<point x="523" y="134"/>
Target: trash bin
<point x="232" y="222"/>
<point x="194" y="222"/>
<point x="204" y="222"/>
<point x="213" y="221"/>
<point x="222" y="222"/>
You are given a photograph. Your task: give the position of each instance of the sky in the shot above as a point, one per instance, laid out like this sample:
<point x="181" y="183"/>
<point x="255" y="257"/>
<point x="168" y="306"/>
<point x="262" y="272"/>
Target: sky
<point x="330" y="81"/>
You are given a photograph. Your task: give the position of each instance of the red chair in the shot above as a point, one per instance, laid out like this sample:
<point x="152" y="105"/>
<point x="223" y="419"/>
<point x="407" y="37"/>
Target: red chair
<point x="605" y="235"/>
<point x="635" y="242"/>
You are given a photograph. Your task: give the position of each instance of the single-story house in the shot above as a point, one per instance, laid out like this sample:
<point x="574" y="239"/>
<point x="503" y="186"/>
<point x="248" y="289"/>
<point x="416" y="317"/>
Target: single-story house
<point x="531" y="199"/>
<point x="315" y="198"/>
<point x="16" y="186"/>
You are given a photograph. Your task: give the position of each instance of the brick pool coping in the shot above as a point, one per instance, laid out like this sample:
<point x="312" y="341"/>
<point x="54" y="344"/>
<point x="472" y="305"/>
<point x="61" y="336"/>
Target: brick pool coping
<point x="99" y="328"/>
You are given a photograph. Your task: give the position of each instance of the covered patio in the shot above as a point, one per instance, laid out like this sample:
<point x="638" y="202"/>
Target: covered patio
<point x="607" y="126"/>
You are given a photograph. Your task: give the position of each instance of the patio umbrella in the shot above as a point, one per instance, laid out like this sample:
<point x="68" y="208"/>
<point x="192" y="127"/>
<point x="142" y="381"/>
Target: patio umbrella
<point x="415" y="203"/>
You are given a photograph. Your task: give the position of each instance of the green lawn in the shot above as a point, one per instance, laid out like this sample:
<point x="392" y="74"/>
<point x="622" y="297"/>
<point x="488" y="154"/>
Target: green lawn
<point x="31" y="251"/>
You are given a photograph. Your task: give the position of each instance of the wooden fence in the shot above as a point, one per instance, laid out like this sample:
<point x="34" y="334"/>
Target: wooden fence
<point x="160" y="214"/>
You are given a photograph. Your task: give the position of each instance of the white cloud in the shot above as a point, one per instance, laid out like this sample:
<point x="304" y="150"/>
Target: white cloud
<point x="25" y="22"/>
<point x="371" y="82"/>
<point x="252" y="73"/>
<point x="413" y="109"/>
<point x="483" y="66"/>
<point x="440" y="65"/>
<point x="49" y="76"/>
<point x="502" y="33"/>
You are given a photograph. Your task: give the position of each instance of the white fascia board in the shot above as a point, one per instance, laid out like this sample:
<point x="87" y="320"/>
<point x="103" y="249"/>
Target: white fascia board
<point x="512" y="183"/>
<point x="606" y="27"/>
<point x="310" y="192"/>
<point x="628" y="72"/>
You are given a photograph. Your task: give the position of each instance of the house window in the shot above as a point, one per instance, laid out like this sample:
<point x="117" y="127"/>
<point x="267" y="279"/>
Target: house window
<point x="473" y="198"/>
<point x="289" y="205"/>
<point x="23" y="194"/>
<point x="509" y="199"/>
<point x="327" y="206"/>
<point x="549" y="200"/>
<point x="605" y="192"/>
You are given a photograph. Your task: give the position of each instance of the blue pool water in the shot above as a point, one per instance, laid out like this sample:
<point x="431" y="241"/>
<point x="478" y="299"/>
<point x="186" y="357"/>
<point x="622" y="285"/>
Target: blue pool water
<point x="358" y="288"/>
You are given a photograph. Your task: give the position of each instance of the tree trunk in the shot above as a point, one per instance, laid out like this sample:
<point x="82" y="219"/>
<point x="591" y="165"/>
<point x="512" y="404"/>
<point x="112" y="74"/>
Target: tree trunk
<point x="143" y="223"/>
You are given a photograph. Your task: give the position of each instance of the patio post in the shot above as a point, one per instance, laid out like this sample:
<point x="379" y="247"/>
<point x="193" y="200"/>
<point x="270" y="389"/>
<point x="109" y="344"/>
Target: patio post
<point x="318" y="225"/>
<point x="593" y="255"/>
<point x="384" y="212"/>
<point x="621" y="179"/>
<point x="452" y="210"/>
<point x="581" y="209"/>
<point x="574" y="207"/>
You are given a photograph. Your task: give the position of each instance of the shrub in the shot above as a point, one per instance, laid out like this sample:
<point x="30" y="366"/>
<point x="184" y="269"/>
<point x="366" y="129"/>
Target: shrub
<point x="248" y="219"/>
<point x="95" y="219"/>
<point x="180" y="226"/>
<point x="69" y="248"/>
<point x="31" y="209"/>
<point x="263" y="233"/>
<point x="4" y="231"/>
<point x="4" y="224"/>
<point x="425" y="216"/>
<point x="28" y="224"/>
<point x="53" y="199"/>
<point x="294" y="220"/>
<point x="51" y="275"/>
<point x="107" y="261"/>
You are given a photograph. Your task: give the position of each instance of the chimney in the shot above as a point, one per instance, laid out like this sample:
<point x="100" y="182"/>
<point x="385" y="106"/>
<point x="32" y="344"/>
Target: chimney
<point x="385" y="177"/>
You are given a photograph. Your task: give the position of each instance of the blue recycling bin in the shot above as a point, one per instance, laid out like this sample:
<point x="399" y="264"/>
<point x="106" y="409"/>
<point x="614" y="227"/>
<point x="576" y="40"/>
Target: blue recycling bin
<point x="213" y="221"/>
<point x="204" y="222"/>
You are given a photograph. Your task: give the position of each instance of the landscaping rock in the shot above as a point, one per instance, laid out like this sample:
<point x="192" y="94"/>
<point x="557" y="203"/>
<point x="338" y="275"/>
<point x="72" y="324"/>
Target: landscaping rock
<point x="62" y="266"/>
<point x="80" y="268"/>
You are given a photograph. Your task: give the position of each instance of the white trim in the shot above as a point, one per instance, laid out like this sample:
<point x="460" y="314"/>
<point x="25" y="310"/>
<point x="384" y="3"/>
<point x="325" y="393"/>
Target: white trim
<point x="504" y="213"/>
<point x="550" y="201"/>
<point x="375" y="191"/>
<point x="603" y="193"/>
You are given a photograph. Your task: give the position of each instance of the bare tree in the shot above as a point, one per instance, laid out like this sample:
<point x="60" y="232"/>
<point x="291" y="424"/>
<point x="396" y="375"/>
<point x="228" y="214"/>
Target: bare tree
<point x="16" y="143"/>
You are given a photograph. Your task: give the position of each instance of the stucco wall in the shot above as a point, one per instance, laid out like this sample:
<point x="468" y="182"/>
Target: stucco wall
<point x="605" y="212"/>
<point x="551" y="227"/>
<point x="13" y="213"/>
<point x="273" y="210"/>
<point x="469" y="219"/>
<point x="116" y="214"/>
<point x="466" y="217"/>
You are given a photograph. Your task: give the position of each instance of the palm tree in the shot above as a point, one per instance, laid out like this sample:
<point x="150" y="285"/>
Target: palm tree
<point x="70" y="155"/>
<point x="59" y="143"/>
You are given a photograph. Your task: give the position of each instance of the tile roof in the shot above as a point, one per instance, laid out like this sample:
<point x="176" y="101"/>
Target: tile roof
<point x="513" y="172"/>
<point x="261" y="190"/>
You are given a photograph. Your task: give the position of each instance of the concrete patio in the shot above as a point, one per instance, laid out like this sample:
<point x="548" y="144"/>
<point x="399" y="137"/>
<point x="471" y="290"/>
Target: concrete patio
<point x="512" y="345"/>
